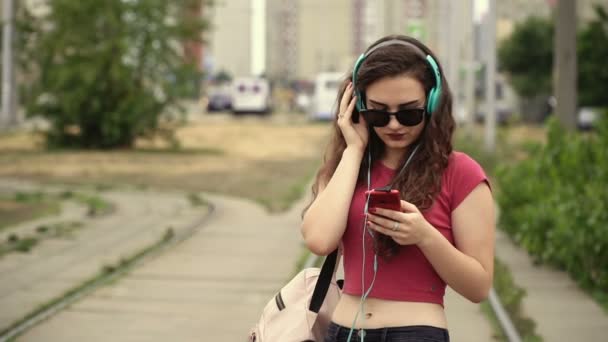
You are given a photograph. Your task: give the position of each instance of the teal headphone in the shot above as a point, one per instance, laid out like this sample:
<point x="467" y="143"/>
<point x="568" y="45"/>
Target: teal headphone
<point x="435" y="92"/>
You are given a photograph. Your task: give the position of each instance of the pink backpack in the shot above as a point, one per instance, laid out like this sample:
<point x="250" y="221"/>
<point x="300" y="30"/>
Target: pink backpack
<point x="301" y="310"/>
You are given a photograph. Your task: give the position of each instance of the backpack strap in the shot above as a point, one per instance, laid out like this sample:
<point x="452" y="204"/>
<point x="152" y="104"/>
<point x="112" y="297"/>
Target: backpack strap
<point x="327" y="272"/>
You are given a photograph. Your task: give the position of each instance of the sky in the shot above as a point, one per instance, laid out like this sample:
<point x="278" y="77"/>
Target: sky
<point x="480" y="7"/>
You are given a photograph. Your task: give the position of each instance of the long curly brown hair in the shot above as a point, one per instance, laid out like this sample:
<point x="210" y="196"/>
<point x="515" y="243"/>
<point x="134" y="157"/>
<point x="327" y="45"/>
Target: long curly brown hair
<point x="421" y="182"/>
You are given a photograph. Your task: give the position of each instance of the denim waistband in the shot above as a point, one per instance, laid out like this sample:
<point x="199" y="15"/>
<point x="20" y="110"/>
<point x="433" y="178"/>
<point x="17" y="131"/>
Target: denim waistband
<point x="340" y="333"/>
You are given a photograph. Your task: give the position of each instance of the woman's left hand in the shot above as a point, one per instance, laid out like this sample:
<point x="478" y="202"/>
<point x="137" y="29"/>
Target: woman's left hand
<point x="407" y="227"/>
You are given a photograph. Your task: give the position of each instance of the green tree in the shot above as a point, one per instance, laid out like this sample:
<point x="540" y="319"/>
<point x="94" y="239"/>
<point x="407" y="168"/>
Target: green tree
<point x="527" y="57"/>
<point x="592" y="56"/>
<point x="103" y="72"/>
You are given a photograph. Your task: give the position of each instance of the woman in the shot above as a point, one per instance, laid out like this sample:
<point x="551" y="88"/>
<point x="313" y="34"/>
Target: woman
<point x="394" y="124"/>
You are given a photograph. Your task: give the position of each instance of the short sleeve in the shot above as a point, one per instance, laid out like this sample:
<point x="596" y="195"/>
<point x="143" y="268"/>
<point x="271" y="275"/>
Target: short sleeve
<point x="464" y="175"/>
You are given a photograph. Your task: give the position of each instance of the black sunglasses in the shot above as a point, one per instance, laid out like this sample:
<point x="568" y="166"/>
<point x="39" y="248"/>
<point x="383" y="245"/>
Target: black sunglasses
<point x="381" y="118"/>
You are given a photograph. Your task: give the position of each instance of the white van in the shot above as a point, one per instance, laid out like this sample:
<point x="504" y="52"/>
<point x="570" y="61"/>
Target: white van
<point x="323" y="104"/>
<point x="250" y="95"/>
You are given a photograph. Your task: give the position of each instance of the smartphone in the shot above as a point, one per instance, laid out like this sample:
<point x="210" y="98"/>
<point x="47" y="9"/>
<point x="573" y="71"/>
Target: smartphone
<point x="384" y="198"/>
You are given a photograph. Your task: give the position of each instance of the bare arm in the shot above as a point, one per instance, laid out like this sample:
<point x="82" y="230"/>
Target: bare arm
<point x="325" y="221"/>
<point x="468" y="268"/>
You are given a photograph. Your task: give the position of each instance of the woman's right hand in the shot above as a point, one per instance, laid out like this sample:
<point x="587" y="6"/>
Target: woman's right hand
<point x="356" y="135"/>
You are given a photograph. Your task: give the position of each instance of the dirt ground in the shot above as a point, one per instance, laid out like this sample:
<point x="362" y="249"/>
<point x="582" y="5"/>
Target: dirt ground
<point x="261" y="158"/>
<point x="268" y="159"/>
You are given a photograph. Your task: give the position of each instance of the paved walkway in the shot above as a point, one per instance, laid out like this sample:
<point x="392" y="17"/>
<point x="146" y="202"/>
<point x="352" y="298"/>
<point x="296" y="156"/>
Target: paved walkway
<point x="561" y="310"/>
<point x="208" y="288"/>
<point x="211" y="287"/>
<point x="28" y="280"/>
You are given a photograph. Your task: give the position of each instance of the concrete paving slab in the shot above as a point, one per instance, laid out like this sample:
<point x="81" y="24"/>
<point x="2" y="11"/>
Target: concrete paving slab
<point x="466" y="321"/>
<point x="57" y="265"/>
<point x="561" y="310"/>
<point x="205" y="290"/>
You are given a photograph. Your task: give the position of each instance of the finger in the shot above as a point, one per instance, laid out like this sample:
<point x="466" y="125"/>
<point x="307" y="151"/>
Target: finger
<point x="382" y="221"/>
<point x="408" y="207"/>
<point x="381" y="229"/>
<point x="391" y="214"/>
<point x="347" y="95"/>
<point x="349" y="110"/>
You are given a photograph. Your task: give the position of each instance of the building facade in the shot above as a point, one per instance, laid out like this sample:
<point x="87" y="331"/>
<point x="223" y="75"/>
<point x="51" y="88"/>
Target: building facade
<point x="230" y="45"/>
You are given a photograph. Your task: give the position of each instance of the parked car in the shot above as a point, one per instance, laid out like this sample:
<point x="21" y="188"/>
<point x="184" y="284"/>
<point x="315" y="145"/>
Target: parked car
<point x="219" y="102"/>
<point x="218" y="98"/>
<point x="586" y="117"/>
<point x="303" y="102"/>
<point x="322" y="106"/>
<point x="503" y="115"/>
<point x="505" y="102"/>
<point x="251" y="95"/>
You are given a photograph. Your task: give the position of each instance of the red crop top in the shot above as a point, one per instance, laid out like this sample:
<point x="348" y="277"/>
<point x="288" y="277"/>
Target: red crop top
<point x="408" y="276"/>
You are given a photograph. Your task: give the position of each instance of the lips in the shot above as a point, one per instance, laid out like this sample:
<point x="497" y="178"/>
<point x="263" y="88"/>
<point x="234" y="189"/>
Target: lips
<point x="396" y="136"/>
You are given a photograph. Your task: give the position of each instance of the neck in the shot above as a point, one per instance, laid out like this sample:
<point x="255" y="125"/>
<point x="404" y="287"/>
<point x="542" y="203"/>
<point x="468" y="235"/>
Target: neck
<point x="393" y="158"/>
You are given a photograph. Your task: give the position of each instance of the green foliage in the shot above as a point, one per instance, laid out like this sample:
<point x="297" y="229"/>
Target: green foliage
<point x="527" y="57"/>
<point x="592" y="51"/>
<point x="554" y="204"/>
<point x="29" y="197"/>
<point x="103" y="72"/>
<point x="196" y="200"/>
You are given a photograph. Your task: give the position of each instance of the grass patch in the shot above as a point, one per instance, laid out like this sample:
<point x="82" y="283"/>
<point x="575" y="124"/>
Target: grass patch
<point x="11" y="214"/>
<point x="181" y="150"/>
<point x="23" y="207"/>
<point x="14" y="243"/>
<point x="26" y="206"/>
<point x="284" y="194"/>
<point x="103" y="187"/>
<point x="96" y="206"/>
<point x="24" y="244"/>
<point x="304" y="254"/>
<point x="259" y="159"/>
<point x="196" y="200"/>
<point x="511" y="297"/>
<point x="135" y="151"/>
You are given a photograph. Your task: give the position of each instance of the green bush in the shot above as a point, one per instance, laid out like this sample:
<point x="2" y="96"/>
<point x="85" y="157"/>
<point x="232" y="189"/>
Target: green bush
<point x="107" y="70"/>
<point x="554" y="204"/>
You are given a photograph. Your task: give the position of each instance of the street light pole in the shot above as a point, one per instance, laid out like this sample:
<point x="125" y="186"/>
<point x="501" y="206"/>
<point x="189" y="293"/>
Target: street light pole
<point x="469" y="83"/>
<point x="7" y="63"/>
<point x="565" y="63"/>
<point x="490" y="119"/>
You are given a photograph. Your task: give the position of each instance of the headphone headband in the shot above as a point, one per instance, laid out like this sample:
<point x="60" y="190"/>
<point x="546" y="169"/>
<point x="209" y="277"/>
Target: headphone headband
<point x="435" y="92"/>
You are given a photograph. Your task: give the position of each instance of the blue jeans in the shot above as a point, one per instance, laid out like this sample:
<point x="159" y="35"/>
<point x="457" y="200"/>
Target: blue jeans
<point x="414" y="333"/>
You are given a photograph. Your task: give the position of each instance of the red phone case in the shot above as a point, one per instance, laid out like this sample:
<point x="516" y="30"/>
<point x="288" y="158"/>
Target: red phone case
<point x="385" y="199"/>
